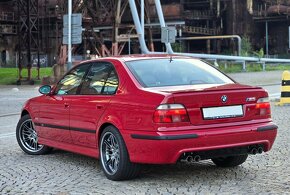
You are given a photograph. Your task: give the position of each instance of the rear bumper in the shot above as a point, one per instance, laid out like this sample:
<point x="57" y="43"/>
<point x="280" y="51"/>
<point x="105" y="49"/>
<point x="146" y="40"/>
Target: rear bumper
<point x="167" y="147"/>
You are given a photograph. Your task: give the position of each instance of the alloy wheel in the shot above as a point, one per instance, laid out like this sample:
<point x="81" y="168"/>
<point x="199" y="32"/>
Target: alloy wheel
<point x="110" y="153"/>
<point x="28" y="136"/>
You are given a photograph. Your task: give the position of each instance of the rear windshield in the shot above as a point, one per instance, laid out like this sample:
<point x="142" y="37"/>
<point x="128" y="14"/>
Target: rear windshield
<point x="175" y="72"/>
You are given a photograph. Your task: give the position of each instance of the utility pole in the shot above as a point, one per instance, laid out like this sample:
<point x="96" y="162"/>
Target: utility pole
<point x="69" y="58"/>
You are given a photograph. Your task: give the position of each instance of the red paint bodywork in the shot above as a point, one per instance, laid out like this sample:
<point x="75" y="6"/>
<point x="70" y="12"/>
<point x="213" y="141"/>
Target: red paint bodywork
<point x="131" y="111"/>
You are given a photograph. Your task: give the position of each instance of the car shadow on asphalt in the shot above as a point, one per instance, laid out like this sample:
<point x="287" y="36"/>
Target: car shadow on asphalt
<point x="180" y="171"/>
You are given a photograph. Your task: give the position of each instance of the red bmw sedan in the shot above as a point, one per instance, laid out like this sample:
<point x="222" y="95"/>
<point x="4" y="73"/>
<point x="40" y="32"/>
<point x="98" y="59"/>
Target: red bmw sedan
<point x="148" y="109"/>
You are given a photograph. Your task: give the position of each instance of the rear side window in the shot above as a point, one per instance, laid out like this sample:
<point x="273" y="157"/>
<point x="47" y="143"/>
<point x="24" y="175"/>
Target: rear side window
<point x="175" y="72"/>
<point x="100" y="80"/>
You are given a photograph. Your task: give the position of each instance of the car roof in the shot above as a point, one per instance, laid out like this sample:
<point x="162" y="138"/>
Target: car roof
<point x="127" y="58"/>
<point x="149" y="56"/>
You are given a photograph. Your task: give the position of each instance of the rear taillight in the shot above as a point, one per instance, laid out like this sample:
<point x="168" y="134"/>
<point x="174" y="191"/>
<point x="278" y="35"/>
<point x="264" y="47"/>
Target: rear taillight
<point x="170" y="113"/>
<point x="263" y="107"/>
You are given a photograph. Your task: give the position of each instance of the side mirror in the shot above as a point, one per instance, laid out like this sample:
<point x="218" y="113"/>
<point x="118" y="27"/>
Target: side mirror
<point x="45" y="89"/>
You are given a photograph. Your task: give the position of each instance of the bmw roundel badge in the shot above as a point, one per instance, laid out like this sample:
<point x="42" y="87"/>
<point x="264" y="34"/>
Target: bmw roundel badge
<point x="224" y="99"/>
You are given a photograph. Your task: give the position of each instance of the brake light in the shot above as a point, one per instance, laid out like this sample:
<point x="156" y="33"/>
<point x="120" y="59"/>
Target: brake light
<point x="170" y="113"/>
<point x="263" y="107"/>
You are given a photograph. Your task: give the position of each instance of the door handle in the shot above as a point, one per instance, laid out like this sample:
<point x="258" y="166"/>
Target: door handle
<point x="66" y="105"/>
<point x="99" y="107"/>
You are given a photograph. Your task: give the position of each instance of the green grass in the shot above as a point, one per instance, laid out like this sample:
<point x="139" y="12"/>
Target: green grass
<point x="234" y="68"/>
<point x="9" y="76"/>
<point x="277" y="67"/>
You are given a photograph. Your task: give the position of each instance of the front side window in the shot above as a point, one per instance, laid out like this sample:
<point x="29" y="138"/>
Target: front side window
<point x="175" y="72"/>
<point x="69" y="84"/>
<point x="100" y="80"/>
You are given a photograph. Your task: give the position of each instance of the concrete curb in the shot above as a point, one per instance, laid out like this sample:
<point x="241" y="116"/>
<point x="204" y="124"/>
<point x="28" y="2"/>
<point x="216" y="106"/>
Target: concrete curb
<point x="271" y="84"/>
<point x="9" y="114"/>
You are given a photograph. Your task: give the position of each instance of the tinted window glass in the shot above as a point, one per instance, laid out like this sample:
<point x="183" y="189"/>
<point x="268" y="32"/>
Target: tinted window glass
<point x="111" y="84"/>
<point x="70" y="83"/>
<point x="101" y="79"/>
<point x="175" y="72"/>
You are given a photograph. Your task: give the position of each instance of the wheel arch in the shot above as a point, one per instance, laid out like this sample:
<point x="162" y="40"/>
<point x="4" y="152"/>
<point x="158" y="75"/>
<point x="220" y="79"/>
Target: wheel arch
<point x="24" y="112"/>
<point x="102" y="128"/>
<point x="108" y="120"/>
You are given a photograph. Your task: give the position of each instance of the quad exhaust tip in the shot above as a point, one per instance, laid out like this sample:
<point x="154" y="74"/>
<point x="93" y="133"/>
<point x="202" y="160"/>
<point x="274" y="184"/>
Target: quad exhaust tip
<point x="191" y="159"/>
<point x="197" y="158"/>
<point x="260" y="150"/>
<point x="255" y="151"/>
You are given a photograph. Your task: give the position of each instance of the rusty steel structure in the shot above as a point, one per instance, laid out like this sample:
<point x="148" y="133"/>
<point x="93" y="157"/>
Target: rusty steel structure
<point x="106" y="28"/>
<point x="273" y="17"/>
<point x="8" y="30"/>
<point x="28" y="36"/>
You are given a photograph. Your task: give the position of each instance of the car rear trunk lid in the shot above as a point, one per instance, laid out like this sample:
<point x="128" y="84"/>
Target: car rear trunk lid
<point x="211" y="104"/>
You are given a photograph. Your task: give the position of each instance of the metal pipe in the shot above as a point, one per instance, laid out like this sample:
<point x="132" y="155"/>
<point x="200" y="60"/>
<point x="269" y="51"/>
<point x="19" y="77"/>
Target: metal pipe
<point x="189" y="159"/>
<point x="129" y="46"/>
<point x="217" y="37"/>
<point x="155" y="24"/>
<point x="69" y="57"/>
<point x="137" y="23"/>
<point x="254" y="151"/>
<point x="289" y="37"/>
<point x="142" y="17"/>
<point x="196" y="55"/>
<point x="234" y="58"/>
<point x="136" y="20"/>
<point x="197" y="158"/>
<point x="162" y="23"/>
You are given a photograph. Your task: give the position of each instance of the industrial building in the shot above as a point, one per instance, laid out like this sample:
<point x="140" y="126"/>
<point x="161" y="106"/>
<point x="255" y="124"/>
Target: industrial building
<point x="35" y="27"/>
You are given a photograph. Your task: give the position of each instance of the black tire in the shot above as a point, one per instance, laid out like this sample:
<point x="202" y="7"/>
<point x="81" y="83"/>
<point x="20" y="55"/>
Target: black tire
<point x="231" y="161"/>
<point x="114" y="157"/>
<point x="27" y="137"/>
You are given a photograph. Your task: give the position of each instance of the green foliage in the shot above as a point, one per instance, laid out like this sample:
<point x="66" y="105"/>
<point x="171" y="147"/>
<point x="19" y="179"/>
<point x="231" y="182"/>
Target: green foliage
<point x="230" y="68"/>
<point x="260" y="53"/>
<point x="9" y="76"/>
<point x="178" y="47"/>
<point x="254" y="67"/>
<point x="247" y="48"/>
<point x="251" y="67"/>
<point x="278" y="67"/>
<point x="227" y="52"/>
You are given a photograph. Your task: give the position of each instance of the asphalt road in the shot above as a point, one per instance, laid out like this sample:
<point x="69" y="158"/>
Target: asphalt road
<point x="271" y="81"/>
<point x="67" y="173"/>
